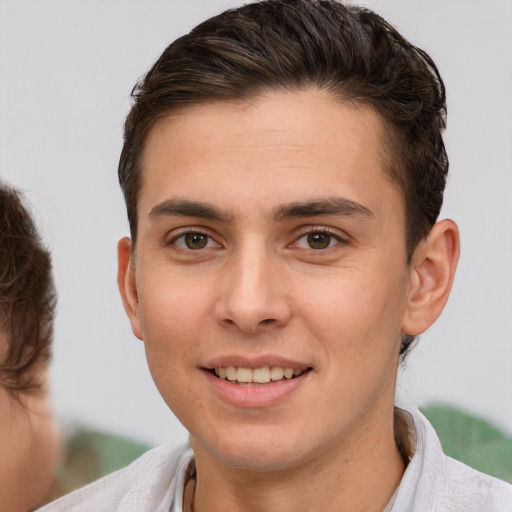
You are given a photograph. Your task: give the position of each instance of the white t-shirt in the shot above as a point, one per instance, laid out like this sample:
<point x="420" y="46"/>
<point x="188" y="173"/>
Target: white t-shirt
<point x="432" y="482"/>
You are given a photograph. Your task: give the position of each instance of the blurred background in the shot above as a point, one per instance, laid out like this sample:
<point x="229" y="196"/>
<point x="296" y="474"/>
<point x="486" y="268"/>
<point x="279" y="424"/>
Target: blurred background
<point x="67" y="68"/>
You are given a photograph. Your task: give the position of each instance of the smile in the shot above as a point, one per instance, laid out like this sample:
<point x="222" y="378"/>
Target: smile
<point x="257" y="376"/>
<point x="257" y="383"/>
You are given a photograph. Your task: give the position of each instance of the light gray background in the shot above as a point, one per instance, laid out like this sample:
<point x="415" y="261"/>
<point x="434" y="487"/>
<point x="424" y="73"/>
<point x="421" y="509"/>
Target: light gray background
<point x="66" y="70"/>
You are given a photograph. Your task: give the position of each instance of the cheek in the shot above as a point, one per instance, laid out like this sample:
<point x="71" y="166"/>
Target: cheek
<point x="358" y="314"/>
<point x="30" y="448"/>
<point x="176" y="321"/>
<point x="172" y="312"/>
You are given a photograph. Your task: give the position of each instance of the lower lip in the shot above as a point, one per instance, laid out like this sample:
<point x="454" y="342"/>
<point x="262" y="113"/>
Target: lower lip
<point x="265" y="395"/>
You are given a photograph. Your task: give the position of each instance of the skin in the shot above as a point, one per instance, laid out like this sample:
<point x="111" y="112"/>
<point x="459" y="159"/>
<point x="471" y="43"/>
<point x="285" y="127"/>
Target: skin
<point x="258" y="290"/>
<point x="30" y="447"/>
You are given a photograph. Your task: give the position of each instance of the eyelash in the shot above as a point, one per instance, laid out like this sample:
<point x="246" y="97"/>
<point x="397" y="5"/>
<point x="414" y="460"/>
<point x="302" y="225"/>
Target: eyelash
<point x="320" y="231"/>
<point x="190" y="231"/>
<point x="306" y="233"/>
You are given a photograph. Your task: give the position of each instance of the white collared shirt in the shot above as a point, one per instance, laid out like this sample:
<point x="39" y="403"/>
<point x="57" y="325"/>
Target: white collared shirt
<point x="432" y="482"/>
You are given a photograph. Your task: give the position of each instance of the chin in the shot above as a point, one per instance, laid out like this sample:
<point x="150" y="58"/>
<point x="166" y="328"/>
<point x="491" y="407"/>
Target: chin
<point x="256" y="450"/>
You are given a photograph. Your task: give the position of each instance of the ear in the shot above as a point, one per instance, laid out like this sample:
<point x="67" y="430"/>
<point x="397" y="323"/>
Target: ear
<point x="432" y="271"/>
<point x="127" y="284"/>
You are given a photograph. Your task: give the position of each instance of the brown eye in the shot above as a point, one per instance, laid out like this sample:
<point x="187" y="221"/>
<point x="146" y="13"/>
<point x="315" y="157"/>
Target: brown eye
<point x="196" y="240"/>
<point x="193" y="241"/>
<point x="319" y="240"/>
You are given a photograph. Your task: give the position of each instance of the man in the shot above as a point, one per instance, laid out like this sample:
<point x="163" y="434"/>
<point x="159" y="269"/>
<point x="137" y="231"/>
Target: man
<point x="283" y="169"/>
<point x="28" y="436"/>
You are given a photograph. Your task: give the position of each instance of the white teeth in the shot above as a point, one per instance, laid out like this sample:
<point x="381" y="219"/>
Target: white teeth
<point x="276" y="373"/>
<point x="244" y="375"/>
<point x="288" y="373"/>
<point x="230" y="373"/>
<point x="261" y="375"/>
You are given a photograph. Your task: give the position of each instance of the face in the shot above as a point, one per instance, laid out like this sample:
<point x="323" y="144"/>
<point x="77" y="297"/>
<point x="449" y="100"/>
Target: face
<point x="30" y="448"/>
<point x="270" y="278"/>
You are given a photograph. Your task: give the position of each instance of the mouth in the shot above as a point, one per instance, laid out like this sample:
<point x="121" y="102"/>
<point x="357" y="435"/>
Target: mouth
<point x="262" y="376"/>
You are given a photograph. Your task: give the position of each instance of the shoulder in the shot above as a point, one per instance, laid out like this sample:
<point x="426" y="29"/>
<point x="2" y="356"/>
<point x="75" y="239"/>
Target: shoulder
<point x="468" y="490"/>
<point x="435" y="482"/>
<point x="141" y="486"/>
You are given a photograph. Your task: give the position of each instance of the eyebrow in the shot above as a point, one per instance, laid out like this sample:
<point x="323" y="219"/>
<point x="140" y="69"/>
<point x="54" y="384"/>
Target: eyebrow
<point x="330" y="206"/>
<point x="186" y="208"/>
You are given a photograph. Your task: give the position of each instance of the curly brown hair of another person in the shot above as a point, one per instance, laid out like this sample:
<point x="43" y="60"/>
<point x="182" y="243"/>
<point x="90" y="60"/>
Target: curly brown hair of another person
<point x="27" y="296"/>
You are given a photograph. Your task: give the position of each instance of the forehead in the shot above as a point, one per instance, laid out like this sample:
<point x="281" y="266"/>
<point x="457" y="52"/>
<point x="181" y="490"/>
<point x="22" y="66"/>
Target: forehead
<point x="302" y="142"/>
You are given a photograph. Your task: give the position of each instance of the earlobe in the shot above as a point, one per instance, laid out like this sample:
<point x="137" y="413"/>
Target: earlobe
<point x="127" y="284"/>
<point x="432" y="271"/>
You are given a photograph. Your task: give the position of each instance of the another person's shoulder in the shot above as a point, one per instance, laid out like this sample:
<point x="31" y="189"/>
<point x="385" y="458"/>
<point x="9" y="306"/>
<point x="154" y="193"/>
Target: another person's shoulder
<point x="144" y="485"/>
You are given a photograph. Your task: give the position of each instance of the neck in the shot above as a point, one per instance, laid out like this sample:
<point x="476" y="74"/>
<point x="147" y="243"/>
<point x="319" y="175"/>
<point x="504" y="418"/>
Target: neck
<point x="356" y="475"/>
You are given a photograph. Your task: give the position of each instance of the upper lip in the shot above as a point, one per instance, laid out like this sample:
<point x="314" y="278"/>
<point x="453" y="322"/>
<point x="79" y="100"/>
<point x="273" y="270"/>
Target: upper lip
<point x="254" y="362"/>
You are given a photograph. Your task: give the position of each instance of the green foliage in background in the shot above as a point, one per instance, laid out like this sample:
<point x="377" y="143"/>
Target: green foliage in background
<point x="105" y="452"/>
<point x="89" y="455"/>
<point x="472" y="440"/>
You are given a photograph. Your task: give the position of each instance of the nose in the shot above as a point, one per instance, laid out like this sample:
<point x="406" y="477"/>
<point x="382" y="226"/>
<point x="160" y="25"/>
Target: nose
<point x="253" y="293"/>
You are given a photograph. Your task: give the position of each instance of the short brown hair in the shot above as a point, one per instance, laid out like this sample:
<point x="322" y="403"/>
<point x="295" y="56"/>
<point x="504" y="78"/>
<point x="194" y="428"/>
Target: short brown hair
<point x="347" y="51"/>
<point x="27" y="294"/>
